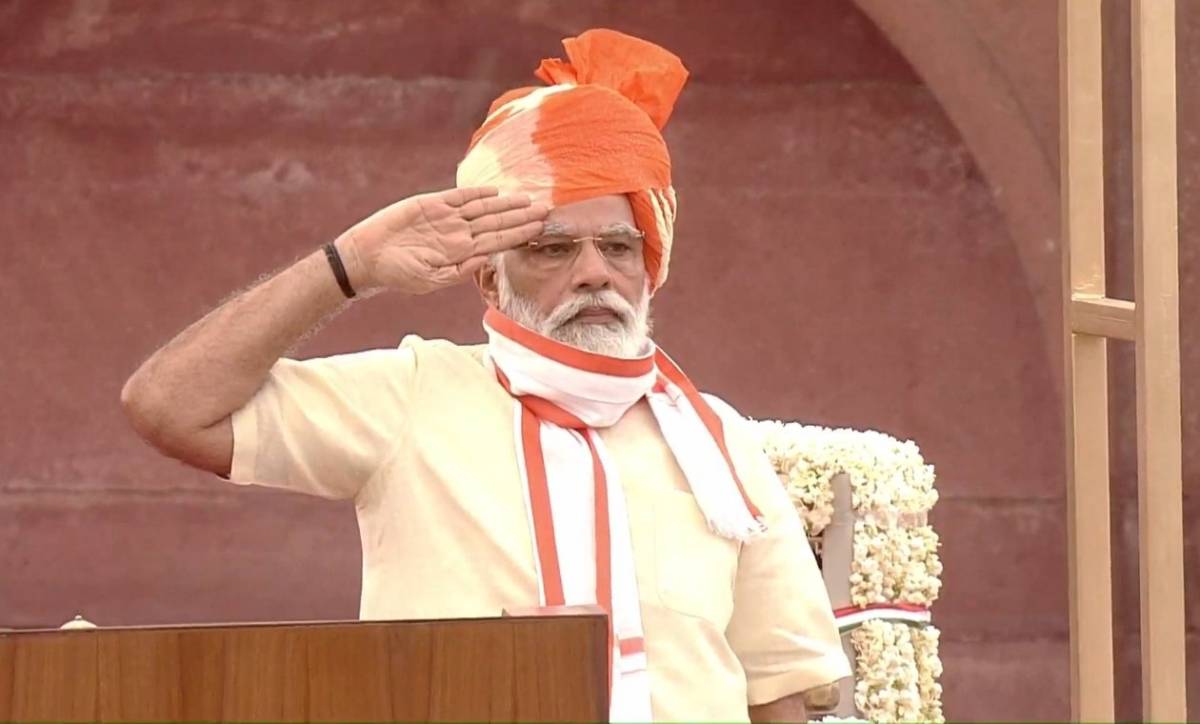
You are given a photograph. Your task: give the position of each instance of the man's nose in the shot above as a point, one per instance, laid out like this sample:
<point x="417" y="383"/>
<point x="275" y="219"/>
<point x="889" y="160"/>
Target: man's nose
<point x="591" y="270"/>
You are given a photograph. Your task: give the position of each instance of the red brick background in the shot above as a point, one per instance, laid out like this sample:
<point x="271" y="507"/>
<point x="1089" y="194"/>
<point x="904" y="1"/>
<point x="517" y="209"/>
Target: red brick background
<point x="843" y="258"/>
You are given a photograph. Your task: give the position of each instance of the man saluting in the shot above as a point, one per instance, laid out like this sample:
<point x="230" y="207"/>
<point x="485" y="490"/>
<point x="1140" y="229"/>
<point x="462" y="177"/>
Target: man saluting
<point x="569" y="460"/>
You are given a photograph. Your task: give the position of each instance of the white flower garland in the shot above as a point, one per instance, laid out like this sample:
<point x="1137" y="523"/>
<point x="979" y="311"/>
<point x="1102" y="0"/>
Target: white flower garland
<point x="929" y="670"/>
<point x="804" y="469"/>
<point x="888" y="477"/>
<point x="892" y="564"/>
<point x="885" y="672"/>
<point x="894" y="561"/>
<point x="896" y="672"/>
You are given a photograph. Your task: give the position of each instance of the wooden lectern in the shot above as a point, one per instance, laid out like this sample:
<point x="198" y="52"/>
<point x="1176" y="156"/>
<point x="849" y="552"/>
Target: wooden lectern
<point x="512" y="668"/>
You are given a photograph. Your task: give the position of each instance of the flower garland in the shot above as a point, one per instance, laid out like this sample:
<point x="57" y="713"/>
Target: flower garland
<point x="896" y="671"/>
<point x="805" y="471"/>
<point x="892" y="564"/>
<point x="929" y="670"/>
<point x="894" y="559"/>
<point x="885" y="672"/>
<point x="888" y="477"/>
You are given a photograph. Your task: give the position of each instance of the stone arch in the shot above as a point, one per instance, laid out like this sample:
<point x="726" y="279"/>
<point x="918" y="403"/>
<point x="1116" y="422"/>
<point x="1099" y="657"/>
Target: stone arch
<point x="993" y="69"/>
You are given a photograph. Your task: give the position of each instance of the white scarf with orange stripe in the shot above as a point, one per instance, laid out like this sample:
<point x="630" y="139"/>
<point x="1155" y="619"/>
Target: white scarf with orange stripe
<point x="575" y="500"/>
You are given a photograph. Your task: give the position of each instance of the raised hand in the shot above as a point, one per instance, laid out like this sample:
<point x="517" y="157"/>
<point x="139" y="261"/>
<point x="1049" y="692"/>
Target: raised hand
<point x="436" y="240"/>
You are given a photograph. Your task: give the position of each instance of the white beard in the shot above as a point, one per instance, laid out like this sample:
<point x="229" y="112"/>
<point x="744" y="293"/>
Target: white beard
<point x="628" y="336"/>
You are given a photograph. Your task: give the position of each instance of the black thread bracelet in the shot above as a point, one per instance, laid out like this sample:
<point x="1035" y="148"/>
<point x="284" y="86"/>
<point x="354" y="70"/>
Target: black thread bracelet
<point x="339" y="270"/>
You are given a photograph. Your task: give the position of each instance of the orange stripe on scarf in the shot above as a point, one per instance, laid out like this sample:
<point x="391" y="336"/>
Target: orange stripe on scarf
<point x="710" y="419"/>
<point x="543" y="517"/>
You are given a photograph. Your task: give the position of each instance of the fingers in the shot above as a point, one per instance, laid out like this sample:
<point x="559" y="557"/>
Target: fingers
<point x="466" y="269"/>
<point x="505" y="239"/>
<point x="456" y="273"/>
<point x="492" y="205"/>
<point x="508" y="219"/>
<point x="461" y="197"/>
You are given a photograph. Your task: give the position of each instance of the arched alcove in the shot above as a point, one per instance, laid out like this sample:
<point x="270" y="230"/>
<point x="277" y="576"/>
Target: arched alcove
<point x="993" y="68"/>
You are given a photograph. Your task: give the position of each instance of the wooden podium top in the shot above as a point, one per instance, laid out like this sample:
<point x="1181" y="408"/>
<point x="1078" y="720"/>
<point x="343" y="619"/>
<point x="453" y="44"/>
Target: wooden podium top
<point x="517" y="667"/>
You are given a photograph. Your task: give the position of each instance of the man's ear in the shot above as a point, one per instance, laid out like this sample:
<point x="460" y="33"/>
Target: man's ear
<point x="487" y="279"/>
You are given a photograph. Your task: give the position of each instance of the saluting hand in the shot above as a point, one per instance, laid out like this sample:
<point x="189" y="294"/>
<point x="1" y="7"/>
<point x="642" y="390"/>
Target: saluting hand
<point x="436" y="240"/>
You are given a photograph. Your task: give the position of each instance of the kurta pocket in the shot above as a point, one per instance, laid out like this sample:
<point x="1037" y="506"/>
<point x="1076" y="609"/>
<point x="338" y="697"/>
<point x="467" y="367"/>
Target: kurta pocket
<point x="696" y="568"/>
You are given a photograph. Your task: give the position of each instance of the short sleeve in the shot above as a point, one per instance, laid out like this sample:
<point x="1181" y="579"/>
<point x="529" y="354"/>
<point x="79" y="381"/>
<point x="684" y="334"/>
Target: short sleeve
<point x="323" y="426"/>
<point x="782" y="628"/>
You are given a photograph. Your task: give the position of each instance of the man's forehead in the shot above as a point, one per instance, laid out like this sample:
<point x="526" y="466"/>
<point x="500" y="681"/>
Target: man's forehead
<point x="567" y="228"/>
<point x="590" y="215"/>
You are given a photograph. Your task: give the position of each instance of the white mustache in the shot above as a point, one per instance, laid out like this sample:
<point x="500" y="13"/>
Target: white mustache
<point x="607" y="299"/>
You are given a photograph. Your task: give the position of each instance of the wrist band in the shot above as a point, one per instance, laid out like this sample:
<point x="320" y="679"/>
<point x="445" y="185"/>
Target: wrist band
<point x="339" y="271"/>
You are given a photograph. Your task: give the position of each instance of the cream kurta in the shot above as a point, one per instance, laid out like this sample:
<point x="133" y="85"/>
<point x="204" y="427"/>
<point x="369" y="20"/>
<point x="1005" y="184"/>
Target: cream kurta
<point x="421" y="438"/>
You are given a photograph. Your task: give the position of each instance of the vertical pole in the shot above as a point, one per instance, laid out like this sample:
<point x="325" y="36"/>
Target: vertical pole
<point x="1156" y="265"/>
<point x="1086" y="361"/>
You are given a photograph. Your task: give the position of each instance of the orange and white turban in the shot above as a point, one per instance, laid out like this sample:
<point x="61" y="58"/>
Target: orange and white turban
<point x="594" y="131"/>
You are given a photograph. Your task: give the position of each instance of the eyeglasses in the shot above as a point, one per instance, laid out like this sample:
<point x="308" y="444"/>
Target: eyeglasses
<point x="622" y="250"/>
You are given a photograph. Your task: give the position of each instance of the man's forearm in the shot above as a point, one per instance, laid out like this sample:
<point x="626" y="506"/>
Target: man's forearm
<point x="216" y="365"/>
<point x="788" y="709"/>
<point x="181" y="399"/>
<point x="817" y="702"/>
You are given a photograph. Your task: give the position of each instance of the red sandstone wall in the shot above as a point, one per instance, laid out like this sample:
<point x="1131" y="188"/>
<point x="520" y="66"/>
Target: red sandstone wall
<point x="841" y="260"/>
